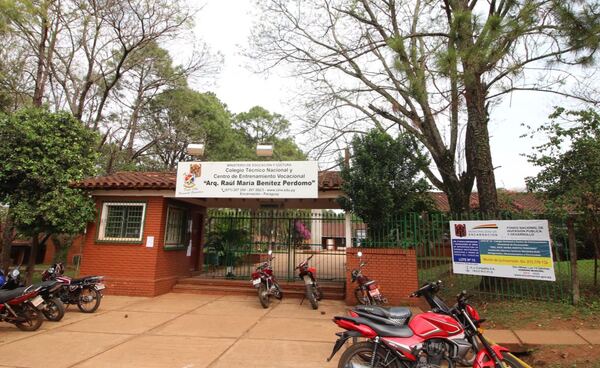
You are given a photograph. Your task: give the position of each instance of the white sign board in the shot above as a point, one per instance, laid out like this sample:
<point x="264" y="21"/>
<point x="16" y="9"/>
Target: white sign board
<point x="516" y="249"/>
<point x="253" y="179"/>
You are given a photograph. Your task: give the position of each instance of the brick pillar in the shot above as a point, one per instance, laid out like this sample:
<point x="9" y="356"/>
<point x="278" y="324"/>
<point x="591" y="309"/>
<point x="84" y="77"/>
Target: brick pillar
<point x="394" y="270"/>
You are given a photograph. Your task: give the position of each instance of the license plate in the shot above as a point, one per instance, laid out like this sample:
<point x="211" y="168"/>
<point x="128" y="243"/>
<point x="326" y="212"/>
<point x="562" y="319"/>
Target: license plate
<point x="374" y="292"/>
<point x="37" y="301"/>
<point x="255" y="282"/>
<point x="100" y="287"/>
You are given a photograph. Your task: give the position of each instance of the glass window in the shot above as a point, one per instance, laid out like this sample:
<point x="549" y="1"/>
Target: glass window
<point x="122" y="221"/>
<point x="176" y="231"/>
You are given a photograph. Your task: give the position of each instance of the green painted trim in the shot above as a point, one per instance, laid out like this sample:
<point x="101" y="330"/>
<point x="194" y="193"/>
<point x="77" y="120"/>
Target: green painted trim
<point x="175" y="248"/>
<point x="128" y="242"/>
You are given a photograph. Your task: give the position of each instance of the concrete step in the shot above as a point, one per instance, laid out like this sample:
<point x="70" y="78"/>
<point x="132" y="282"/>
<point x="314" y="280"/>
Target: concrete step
<point x="333" y="291"/>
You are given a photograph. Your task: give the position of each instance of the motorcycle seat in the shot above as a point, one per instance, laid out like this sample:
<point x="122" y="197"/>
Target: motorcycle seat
<point x="382" y="330"/>
<point x="396" y="314"/>
<point x="6" y="295"/>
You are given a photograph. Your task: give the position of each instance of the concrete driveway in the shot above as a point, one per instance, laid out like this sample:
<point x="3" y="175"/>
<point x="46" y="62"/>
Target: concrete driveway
<point x="179" y="330"/>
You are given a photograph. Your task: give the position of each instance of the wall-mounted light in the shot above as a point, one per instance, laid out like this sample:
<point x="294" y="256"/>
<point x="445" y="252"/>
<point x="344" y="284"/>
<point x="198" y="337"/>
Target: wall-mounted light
<point x="265" y="150"/>
<point x="195" y="149"/>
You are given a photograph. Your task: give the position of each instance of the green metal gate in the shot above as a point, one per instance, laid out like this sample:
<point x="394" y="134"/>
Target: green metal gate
<point x="238" y="241"/>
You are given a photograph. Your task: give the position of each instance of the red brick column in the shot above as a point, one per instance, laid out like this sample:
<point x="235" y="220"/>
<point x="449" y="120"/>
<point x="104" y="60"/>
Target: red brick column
<point x="394" y="270"/>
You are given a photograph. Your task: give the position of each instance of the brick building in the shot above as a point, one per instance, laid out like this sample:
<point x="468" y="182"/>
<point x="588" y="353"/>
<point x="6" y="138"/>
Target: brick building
<point x="144" y="238"/>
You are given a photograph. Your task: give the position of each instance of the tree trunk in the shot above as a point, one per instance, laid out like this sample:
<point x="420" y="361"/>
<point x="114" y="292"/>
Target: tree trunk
<point x="40" y="76"/>
<point x="7" y="238"/>
<point x="35" y="245"/>
<point x="573" y="256"/>
<point x="480" y="144"/>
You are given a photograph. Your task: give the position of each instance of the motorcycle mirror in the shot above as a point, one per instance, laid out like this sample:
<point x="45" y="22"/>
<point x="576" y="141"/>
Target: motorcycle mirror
<point x="359" y="254"/>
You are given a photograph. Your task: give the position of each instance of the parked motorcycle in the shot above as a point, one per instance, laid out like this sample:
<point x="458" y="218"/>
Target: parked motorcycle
<point x="264" y="280"/>
<point x="20" y="307"/>
<point x="309" y="275"/>
<point x="367" y="291"/>
<point x="442" y="337"/>
<point x="85" y="292"/>
<point x="53" y="308"/>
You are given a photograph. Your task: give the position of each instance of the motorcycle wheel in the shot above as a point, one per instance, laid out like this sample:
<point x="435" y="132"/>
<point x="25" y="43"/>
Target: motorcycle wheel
<point x="310" y="295"/>
<point x="361" y="298"/>
<point x="263" y="295"/>
<point x="318" y="293"/>
<point x="55" y="310"/>
<point x="34" y="317"/>
<point x="361" y="354"/>
<point x="89" y="300"/>
<point x="278" y="293"/>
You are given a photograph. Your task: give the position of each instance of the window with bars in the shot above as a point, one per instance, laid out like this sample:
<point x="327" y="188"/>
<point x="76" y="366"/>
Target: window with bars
<point x="122" y="221"/>
<point x="177" y="224"/>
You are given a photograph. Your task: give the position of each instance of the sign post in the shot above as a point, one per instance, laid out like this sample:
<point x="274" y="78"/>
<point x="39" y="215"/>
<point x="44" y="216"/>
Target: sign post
<point x="508" y="248"/>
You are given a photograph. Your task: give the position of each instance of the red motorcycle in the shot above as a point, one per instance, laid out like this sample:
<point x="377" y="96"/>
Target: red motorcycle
<point x="442" y="337"/>
<point x="264" y="280"/>
<point x="20" y="307"/>
<point x="367" y="292"/>
<point x="309" y="275"/>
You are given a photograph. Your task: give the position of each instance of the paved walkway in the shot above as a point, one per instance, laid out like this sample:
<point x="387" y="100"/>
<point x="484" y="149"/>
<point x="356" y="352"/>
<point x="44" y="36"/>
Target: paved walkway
<point x="194" y="331"/>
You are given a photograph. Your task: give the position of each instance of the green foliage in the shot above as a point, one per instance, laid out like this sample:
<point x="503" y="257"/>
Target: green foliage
<point x="42" y="153"/>
<point x="383" y="179"/>
<point x="178" y="117"/>
<point x="258" y="126"/>
<point x="181" y="116"/>
<point x="570" y="168"/>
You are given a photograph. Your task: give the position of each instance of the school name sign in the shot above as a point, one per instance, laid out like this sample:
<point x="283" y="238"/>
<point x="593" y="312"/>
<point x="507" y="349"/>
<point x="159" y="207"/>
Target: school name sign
<point x="251" y="179"/>
<point x="515" y="249"/>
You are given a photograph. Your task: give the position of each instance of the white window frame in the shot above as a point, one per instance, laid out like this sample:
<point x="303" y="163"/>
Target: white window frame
<point x="104" y="217"/>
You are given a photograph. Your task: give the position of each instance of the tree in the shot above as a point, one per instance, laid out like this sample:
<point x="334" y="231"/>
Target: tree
<point x="178" y="117"/>
<point x="570" y="169"/>
<point x="431" y="68"/>
<point x="381" y="181"/>
<point x="42" y="154"/>
<point x="259" y="126"/>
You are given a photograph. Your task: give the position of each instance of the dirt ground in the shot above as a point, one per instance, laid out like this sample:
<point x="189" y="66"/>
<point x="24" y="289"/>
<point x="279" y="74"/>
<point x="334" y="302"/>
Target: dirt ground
<point x="564" y="356"/>
<point x="536" y="315"/>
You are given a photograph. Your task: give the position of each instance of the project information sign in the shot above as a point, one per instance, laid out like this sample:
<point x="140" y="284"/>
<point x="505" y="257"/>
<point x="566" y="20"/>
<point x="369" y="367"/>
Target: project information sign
<point x="517" y="249"/>
<point x="252" y="179"/>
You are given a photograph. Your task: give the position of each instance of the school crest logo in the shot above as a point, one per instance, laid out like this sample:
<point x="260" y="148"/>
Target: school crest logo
<point x="191" y="178"/>
<point x="460" y="230"/>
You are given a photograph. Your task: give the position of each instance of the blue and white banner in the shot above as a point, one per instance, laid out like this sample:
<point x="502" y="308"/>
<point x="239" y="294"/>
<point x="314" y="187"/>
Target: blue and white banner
<point x="509" y="248"/>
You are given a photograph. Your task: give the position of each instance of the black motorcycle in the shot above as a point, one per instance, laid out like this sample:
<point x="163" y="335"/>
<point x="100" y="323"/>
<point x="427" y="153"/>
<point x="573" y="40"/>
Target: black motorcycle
<point x="52" y="308"/>
<point x="85" y="292"/>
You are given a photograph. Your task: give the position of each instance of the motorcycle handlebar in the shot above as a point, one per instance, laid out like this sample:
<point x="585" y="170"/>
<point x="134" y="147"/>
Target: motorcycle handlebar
<point x="430" y="286"/>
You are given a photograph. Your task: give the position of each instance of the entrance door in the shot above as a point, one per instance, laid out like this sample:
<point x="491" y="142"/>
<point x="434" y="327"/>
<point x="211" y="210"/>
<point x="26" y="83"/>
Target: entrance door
<point x="197" y="239"/>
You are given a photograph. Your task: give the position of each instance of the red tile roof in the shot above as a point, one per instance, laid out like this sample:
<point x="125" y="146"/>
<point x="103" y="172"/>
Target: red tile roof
<point x="130" y="180"/>
<point x="508" y="200"/>
<point x="328" y="180"/>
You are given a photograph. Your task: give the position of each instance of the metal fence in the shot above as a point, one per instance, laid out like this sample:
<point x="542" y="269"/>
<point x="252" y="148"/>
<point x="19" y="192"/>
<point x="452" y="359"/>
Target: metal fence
<point x="237" y="241"/>
<point x="429" y="235"/>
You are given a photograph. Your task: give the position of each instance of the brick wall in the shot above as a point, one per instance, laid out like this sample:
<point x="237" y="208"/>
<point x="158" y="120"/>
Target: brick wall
<point x="75" y="249"/>
<point x="395" y="270"/>
<point x="134" y="269"/>
<point x="174" y="263"/>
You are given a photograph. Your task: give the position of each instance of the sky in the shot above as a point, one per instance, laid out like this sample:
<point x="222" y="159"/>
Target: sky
<point x="225" y="26"/>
